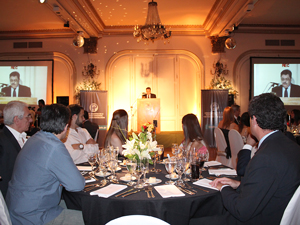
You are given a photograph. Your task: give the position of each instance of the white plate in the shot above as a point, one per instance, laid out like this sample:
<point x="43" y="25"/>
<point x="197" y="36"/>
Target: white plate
<point x="172" y="178"/>
<point x="118" y="169"/>
<point x="101" y="174"/>
<point x="122" y="164"/>
<point x="123" y="179"/>
<point x="157" y="181"/>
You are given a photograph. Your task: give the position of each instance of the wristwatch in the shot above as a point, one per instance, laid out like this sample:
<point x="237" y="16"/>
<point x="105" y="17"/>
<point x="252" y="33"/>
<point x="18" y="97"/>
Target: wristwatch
<point x="81" y="146"/>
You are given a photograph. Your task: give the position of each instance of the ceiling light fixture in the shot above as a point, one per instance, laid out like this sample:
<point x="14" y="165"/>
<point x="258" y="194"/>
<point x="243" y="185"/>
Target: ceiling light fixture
<point x="43" y="1"/>
<point x="153" y="29"/>
<point x="78" y="40"/>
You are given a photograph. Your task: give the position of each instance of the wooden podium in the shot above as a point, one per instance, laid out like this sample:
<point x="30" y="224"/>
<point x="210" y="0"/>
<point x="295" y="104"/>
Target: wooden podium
<point x="148" y="110"/>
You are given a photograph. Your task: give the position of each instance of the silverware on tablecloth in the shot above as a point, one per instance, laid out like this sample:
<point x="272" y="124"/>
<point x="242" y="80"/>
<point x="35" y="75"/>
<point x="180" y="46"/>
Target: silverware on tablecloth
<point x="147" y="191"/>
<point x="131" y="193"/>
<point x="150" y="189"/>
<point x="201" y="189"/>
<point x="91" y="187"/>
<point x="190" y="187"/>
<point x="124" y="192"/>
<point x="186" y="191"/>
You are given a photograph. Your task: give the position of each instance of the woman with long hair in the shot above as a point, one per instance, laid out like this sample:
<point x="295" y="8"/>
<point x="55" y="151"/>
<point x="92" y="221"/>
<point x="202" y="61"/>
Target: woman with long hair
<point x="117" y="133"/>
<point x="244" y="126"/>
<point x="193" y="137"/>
<point x="227" y="122"/>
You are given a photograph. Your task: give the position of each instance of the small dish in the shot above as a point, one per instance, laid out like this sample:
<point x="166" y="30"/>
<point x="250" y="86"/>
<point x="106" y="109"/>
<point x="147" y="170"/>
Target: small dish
<point x="118" y="169"/>
<point x="173" y="177"/>
<point x="157" y="181"/>
<point x="100" y="174"/>
<point x="124" y="179"/>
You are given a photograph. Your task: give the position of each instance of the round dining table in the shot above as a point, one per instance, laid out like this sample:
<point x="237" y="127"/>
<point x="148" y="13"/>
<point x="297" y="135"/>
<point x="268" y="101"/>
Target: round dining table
<point x="174" y="210"/>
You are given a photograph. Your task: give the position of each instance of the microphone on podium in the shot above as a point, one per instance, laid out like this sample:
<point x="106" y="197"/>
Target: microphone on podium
<point x="274" y="84"/>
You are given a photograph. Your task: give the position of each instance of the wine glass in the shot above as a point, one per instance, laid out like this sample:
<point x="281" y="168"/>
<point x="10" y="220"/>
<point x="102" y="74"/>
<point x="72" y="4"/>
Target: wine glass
<point x="174" y="148"/>
<point x="154" y="156"/>
<point x="179" y="169"/>
<point x="160" y="151"/>
<point x="170" y="167"/>
<point x="145" y="162"/>
<point x="113" y="164"/>
<point x="131" y="166"/>
<point x="92" y="159"/>
<point x="186" y="165"/>
<point x="103" y="157"/>
<point x="139" y="172"/>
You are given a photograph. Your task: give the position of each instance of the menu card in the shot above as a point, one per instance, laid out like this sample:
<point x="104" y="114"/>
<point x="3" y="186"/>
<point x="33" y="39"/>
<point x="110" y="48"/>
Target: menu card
<point x="167" y="191"/>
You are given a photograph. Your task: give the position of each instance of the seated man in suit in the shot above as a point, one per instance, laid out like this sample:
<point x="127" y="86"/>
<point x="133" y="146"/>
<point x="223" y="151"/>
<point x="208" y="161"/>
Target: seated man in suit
<point x="236" y="113"/>
<point x="89" y="125"/>
<point x="16" y="89"/>
<point x="77" y="138"/>
<point x="287" y="89"/>
<point x="148" y="93"/>
<point x="272" y="175"/>
<point x="17" y="119"/>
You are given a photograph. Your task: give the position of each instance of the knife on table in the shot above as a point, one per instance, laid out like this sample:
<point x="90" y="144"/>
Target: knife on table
<point x="131" y="193"/>
<point x="124" y="192"/>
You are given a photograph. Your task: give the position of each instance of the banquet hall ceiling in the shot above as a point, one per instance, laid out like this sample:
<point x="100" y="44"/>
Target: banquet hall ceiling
<point x="97" y="18"/>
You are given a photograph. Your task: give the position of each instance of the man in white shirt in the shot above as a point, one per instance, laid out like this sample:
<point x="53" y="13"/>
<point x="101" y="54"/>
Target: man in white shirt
<point x="77" y="137"/>
<point x="17" y="119"/>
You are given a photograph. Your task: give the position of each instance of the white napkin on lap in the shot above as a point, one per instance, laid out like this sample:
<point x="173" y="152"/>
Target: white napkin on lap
<point x="84" y="168"/>
<point x="109" y="190"/>
<point x="212" y="163"/>
<point x="167" y="191"/>
<point x="222" y="171"/>
<point x="204" y="183"/>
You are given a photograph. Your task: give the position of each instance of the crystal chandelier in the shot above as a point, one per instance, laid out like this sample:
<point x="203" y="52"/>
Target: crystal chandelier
<point x="90" y="71"/>
<point x="153" y="29"/>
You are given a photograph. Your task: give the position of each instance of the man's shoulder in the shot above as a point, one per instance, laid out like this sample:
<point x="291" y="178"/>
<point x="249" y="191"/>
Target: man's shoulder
<point x="277" y="88"/>
<point x="24" y="87"/>
<point x="295" y="86"/>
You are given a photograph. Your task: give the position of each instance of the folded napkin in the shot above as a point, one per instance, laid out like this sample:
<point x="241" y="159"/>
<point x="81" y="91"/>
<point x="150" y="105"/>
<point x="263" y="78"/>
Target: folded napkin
<point x="204" y="183"/>
<point x="222" y="171"/>
<point x="109" y="190"/>
<point x="212" y="163"/>
<point x="84" y="168"/>
<point x="167" y="191"/>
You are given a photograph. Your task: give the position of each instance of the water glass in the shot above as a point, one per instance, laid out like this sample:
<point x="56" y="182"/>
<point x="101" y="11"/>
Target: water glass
<point x="170" y="167"/>
<point x="131" y="167"/>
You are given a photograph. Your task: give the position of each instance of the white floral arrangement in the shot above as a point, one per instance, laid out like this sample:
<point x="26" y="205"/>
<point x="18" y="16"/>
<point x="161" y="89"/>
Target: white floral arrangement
<point x="140" y="147"/>
<point x="219" y="82"/>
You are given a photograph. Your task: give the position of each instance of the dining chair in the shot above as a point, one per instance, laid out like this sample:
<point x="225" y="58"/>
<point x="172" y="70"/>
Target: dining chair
<point x="4" y="214"/>
<point x="137" y="220"/>
<point x="236" y="144"/>
<point x="96" y="136"/>
<point x="291" y="215"/>
<point x="221" y="146"/>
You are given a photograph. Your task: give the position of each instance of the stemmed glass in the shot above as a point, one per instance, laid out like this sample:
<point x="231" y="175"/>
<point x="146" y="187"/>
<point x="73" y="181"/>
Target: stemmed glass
<point x="174" y="149"/>
<point x="146" y="168"/>
<point x="92" y="159"/>
<point x="160" y="151"/>
<point x="103" y="157"/>
<point x="186" y="165"/>
<point x="139" y="172"/>
<point x="179" y="169"/>
<point x="170" y="167"/>
<point x="113" y="163"/>
<point x="131" y="166"/>
<point x="154" y="157"/>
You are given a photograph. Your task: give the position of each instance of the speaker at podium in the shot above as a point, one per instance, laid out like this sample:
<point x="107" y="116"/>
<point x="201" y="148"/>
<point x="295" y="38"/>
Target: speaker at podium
<point x="148" y="110"/>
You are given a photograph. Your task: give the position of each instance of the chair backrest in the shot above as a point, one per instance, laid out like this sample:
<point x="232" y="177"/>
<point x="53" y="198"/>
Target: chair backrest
<point x="220" y="139"/>
<point x="4" y="214"/>
<point x="96" y="135"/>
<point x="291" y="215"/>
<point x="236" y="144"/>
<point x="137" y="220"/>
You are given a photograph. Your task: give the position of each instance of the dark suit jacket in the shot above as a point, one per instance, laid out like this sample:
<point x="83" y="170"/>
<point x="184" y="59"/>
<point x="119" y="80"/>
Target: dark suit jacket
<point x="9" y="149"/>
<point x="91" y="127"/>
<point x="295" y="90"/>
<point x="271" y="178"/>
<point x="24" y="91"/>
<point x="152" y="96"/>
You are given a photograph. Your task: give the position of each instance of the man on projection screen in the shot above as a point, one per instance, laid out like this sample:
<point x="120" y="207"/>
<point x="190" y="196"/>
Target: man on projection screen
<point x="16" y="89"/>
<point x="287" y="89"/>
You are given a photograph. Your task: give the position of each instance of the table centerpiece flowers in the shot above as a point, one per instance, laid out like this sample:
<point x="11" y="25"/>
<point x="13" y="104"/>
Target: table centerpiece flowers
<point x="140" y="146"/>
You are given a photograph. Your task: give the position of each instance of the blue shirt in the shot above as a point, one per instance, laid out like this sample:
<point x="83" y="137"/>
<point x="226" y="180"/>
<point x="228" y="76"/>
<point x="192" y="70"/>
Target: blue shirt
<point x="43" y="167"/>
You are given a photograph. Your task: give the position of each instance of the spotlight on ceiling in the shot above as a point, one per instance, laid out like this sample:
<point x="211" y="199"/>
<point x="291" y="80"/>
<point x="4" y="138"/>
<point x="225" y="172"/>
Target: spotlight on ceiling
<point x="78" y="40"/>
<point x="43" y="1"/>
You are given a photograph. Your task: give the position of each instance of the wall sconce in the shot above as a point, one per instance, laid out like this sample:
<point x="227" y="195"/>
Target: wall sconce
<point x="219" y="69"/>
